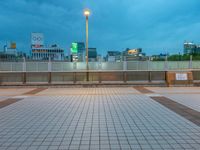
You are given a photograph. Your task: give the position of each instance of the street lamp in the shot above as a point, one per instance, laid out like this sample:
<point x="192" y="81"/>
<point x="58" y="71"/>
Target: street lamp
<point x="87" y="14"/>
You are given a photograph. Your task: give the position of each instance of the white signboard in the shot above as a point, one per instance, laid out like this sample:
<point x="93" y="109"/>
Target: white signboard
<point x="37" y="39"/>
<point x="181" y="76"/>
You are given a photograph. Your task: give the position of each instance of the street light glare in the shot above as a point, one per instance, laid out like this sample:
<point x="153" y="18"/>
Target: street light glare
<point x="86" y="12"/>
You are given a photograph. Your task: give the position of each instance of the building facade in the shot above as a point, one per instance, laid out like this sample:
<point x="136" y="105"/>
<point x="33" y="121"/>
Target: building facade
<point x="197" y="49"/>
<point x="92" y="54"/>
<point x="78" y="52"/>
<point x="189" y="48"/>
<point x="114" y="56"/>
<point x="134" y="55"/>
<point x="41" y="52"/>
<point x="46" y="53"/>
<point x="9" y="52"/>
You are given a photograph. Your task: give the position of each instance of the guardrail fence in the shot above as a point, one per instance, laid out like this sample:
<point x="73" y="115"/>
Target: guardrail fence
<point x="99" y="72"/>
<point x="78" y="66"/>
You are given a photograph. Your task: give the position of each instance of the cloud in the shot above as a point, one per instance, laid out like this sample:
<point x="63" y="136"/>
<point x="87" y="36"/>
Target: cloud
<point x="114" y="24"/>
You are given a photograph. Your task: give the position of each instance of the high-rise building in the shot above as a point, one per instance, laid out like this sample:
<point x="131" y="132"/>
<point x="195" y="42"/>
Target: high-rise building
<point x="114" y="56"/>
<point x="92" y="54"/>
<point x="78" y="51"/>
<point x="197" y="49"/>
<point x="189" y="48"/>
<point x="133" y="55"/>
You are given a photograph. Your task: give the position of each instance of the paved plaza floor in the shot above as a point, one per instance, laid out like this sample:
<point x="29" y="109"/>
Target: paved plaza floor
<point x="97" y="118"/>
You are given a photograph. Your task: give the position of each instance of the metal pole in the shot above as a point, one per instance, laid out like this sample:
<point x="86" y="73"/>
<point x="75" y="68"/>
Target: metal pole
<point x="87" y="41"/>
<point x="87" y="48"/>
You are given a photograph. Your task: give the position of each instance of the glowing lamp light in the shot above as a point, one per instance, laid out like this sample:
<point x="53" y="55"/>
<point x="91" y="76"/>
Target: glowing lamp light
<point x="86" y="12"/>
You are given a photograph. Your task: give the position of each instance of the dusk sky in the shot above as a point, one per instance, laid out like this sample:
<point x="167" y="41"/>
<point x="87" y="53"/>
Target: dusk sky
<point x="157" y="26"/>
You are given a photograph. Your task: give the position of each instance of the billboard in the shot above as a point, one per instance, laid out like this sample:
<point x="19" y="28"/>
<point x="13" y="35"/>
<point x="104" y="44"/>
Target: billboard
<point x="74" y="48"/>
<point x="37" y="39"/>
<point x="134" y="51"/>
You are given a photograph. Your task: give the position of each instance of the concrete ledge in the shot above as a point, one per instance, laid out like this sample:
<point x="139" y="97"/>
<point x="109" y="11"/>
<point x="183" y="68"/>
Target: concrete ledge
<point x="84" y="84"/>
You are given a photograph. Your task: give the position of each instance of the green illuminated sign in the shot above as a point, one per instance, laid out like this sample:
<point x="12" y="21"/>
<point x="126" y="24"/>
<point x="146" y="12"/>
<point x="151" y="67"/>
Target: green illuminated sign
<point x="74" y="48"/>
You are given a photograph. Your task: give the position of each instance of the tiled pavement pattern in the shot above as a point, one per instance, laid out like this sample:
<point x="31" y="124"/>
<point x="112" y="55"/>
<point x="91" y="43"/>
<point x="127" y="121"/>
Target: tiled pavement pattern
<point x="97" y="118"/>
<point x="186" y="112"/>
<point x="5" y="100"/>
<point x="188" y="96"/>
<point x="13" y="91"/>
<point x="2" y="98"/>
<point x="181" y="109"/>
<point x="88" y="91"/>
<point x="9" y="102"/>
<point x="189" y="100"/>
<point x="175" y="90"/>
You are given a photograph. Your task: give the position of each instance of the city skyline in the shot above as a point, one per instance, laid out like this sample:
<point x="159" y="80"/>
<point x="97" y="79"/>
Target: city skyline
<point x="154" y="26"/>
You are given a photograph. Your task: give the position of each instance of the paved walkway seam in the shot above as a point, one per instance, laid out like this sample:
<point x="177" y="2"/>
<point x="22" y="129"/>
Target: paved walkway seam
<point x="9" y="102"/>
<point x="35" y="91"/>
<point x="182" y="110"/>
<point x="143" y="90"/>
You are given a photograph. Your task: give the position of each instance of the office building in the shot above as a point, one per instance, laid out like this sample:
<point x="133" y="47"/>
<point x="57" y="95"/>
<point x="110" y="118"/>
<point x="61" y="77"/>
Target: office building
<point x="189" y="48"/>
<point x="11" y="49"/>
<point x="41" y="52"/>
<point x="46" y="53"/>
<point x="114" y="56"/>
<point x="134" y="55"/>
<point x="77" y="52"/>
<point x="9" y="52"/>
<point x="92" y="54"/>
<point x="197" y="49"/>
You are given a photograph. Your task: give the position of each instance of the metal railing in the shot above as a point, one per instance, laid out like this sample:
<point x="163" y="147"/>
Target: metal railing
<point x="97" y="66"/>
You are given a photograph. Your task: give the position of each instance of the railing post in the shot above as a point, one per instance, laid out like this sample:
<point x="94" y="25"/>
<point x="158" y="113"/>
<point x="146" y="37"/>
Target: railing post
<point x="99" y="70"/>
<point x="49" y="65"/>
<point x="148" y="65"/>
<point x="125" y="67"/>
<point x="11" y="67"/>
<point x="150" y="76"/>
<point x="24" y="71"/>
<point x="49" y="77"/>
<point x="74" y="65"/>
<point x="166" y="64"/>
<point x="24" y="77"/>
<point x="24" y="64"/>
<point x="190" y="64"/>
<point x="37" y="67"/>
<point x="49" y="70"/>
<point x="166" y="78"/>
<point x="100" y="65"/>
<point x="99" y="77"/>
<point x="125" y="76"/>
<point x="74" y="77"/>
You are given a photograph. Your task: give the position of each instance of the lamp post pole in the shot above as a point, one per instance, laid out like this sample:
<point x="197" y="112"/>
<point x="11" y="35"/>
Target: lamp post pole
<point x="87" y="42"/>
<point x="87" y="13"/>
